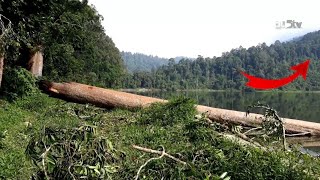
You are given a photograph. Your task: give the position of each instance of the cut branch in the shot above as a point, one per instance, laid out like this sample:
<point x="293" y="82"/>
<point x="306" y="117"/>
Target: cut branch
<point x="149" y="160"/>
<point x="158" y="152"/>
<point x="299" y="134"/>
<point x="252" y="129"/>
<point x="246" y="138"/>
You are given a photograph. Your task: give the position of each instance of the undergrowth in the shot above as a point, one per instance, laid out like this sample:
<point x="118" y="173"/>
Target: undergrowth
<point x="74" y="153"/>
<point x="18" y="83"/>
<point x="171" y="128"/>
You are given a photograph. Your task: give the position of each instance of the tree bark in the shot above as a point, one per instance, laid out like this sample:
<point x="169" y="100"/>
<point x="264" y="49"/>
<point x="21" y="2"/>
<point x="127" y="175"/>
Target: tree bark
<point x="1" y="68"/>
<point x="304" y="141"/>
<point x="35" y="64"/>
<point x="82" y="93"/>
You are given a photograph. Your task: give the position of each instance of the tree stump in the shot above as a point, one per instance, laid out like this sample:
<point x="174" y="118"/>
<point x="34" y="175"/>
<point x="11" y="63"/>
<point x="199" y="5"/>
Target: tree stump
<point x="35" y="64"/>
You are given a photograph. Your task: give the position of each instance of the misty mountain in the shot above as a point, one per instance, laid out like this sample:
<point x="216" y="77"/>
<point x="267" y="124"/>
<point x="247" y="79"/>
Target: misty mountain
<point x="136" y="62"/>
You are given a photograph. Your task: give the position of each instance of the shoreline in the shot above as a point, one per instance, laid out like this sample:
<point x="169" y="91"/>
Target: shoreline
<point x="213" y="90"/>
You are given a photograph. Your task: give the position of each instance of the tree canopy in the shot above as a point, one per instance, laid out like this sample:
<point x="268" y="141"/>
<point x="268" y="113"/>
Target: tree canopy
<point x="223" y="72"/>
<point x="70" y="34"/>
<point x="136" y="62"/>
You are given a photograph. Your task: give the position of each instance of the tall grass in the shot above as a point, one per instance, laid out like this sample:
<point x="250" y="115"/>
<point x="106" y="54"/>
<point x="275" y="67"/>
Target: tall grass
<point x="172" y="127"/>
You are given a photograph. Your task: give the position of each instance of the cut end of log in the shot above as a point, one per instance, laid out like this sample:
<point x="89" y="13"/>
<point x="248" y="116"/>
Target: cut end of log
<point x="54" y="90"/>
<point x="45" y="85"/>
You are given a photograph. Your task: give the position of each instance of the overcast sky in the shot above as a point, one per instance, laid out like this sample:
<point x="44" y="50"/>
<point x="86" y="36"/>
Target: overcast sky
<point x="170" y="28"/>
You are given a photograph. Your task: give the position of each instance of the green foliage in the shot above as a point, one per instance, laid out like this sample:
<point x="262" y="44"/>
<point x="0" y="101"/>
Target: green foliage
<point x="298" y="105"/>
<point x="21" y="120"/>
<point x="195" y="141"/>
<point x="206" y="152"/>
<point x="136" y="62"/>
<point x="178" y="110"/>
<point x="223" y="72"/>
<point x="72" y="153"/>
<point x="272" y="124"/>
<point x="2" y="136"/>
<point x="74" y="43"/>
<point x="18" y="83"/>
<point x="6" y="34"/>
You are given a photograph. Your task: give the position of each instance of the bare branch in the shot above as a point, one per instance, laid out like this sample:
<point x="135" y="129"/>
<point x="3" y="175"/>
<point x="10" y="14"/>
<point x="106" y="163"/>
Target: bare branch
<point x="149" y="160"/>
<point x="44" y="156"/>
<point x="4" y="27"/>
<point x="298" y="134"/>
<point x="158" y="152"/>
<point x="252" y="129"/>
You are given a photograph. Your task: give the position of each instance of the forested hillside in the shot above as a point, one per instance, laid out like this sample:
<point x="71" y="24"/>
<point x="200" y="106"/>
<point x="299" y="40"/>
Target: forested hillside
<point x="136" y="62"/>
<point x="70" y="34"/>
<point x="223" y="72"/>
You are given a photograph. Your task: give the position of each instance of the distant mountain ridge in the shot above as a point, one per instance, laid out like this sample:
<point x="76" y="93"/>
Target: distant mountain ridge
<point x="270" y="62"/>
<point x="136" y="62"/>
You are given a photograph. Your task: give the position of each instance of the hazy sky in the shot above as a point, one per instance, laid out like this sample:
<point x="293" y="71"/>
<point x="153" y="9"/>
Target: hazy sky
<point x="170" y="28"/>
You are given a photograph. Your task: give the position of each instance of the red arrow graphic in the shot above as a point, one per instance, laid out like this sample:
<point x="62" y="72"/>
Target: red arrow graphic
<point x="260" y="83"/>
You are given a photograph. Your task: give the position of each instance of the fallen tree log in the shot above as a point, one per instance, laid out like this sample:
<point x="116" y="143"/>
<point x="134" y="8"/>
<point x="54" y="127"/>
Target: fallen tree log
<point x="304" y="141"/>
<point x="107" y="98"/>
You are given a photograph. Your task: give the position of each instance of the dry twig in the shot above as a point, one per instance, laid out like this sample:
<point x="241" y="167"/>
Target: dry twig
<point x="252" y="129"/>
<point x="158" y="152"/>
<point x="162" y="153"/>
<point x="298" y="134"/>
<point x="149" y="160"/>
<point x="44" y="156"/>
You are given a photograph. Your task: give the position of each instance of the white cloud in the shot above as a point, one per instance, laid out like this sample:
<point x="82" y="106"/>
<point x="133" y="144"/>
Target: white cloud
<point x="170" y="28"/>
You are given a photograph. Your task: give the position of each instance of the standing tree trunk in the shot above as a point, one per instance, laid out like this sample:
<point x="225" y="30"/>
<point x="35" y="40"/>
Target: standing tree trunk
<point x="1" y="67"/>
<point x="35" y="64"/>
<point x="6" y="31"/>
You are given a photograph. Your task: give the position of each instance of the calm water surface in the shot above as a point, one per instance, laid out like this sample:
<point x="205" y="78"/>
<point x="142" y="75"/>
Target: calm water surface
<point x="296" y="105"/>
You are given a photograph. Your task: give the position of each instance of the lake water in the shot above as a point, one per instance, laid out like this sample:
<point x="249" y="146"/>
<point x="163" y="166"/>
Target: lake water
<point x="296" y="105"/>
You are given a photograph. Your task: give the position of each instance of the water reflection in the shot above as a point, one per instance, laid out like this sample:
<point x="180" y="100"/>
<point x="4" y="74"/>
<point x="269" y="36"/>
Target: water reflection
<point x="296" y="105"/>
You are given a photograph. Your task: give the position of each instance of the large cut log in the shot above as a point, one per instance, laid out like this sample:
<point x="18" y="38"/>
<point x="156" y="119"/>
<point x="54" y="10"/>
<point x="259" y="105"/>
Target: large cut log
<point x="305" y="141"/>
<point x="101" y="97"/>
<point x="238" y="117"/>
<point x="82" y="93"/>
<point x="1" y="68"/>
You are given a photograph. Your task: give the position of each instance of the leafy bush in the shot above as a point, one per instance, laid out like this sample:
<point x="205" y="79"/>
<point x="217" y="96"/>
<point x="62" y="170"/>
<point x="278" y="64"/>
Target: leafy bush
<point x="72" y="154"/>
<point x="179" y="109"/>
<point x="2" y="136"/>
<point x="199" y="143"/>
<point x="192" y="140"/>
<point x="70" y="33"/>
<point x="18" y="83"/>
